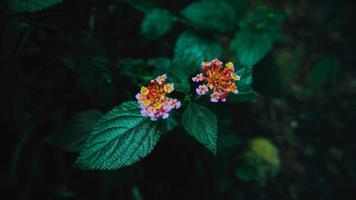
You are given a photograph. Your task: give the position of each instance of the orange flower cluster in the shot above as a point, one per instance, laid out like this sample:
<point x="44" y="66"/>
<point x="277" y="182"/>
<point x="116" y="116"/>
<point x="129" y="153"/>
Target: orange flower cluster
<point x="153" y="99"/>
<point x="220" y="80"/>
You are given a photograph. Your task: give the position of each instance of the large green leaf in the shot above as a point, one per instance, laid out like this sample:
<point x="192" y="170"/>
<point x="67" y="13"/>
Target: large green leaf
<point x="251" y="47"/>
<point x="193" y="49"/>
<point x="30" y="5"/>
<point x="73" y="134"/>
<point x="201" y="123"/>
<point x="156" y="23"/>
<point x="244" y="86"/>
<point x="120" y="138"/>
<point x="211" y="15"/>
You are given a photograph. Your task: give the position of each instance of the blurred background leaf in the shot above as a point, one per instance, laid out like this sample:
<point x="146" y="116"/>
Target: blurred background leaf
<point x="30" y="5"/>
<point x="251" y="47"/>
<point x="210" y="15"/>
<point x="194" y="49"/>
<point x="156" y="23"/>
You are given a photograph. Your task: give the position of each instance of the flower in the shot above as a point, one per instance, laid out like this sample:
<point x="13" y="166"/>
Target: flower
<point x="153" y="99"/>
<point x="169" y="87"/>
<point x="220" y="80"/>
<point x="214" y="97"/>
<point x="198" y="77"/>
<point x="202" y="89"/>
<point x="161" y="79"/>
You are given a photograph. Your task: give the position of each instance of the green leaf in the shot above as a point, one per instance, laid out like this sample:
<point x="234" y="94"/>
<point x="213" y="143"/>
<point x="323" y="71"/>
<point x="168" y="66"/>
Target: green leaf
<point x="201" y="123"/>
<point x="211" y="15"/>
<point x="263" y="18"/>
<point x="325" y="70"/>
<point x="75" y="131"/>
<point x="177" y="70"/>
<point x="120" y="138"/>
<point x="246" y="92"/>
<point x="240" y="7"/>
<point x="30" y="5"/>
<point x="251" y="47"/>
<point x="194" y="49"/>
<point x="156" y="23"/>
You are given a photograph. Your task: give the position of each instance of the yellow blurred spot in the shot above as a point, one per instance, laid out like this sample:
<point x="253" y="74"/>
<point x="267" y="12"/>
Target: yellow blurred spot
<point x="144" y="90"/>
<point x="229" y="65"/>
<point x="157" y="105"/>
<point x="265" y="150"/>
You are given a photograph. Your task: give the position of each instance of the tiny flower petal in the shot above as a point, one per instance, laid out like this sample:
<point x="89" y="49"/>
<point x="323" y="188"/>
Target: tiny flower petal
<point x="178" y="104"/>
<point x="206" y="64"/>
<point x="238" y="77"/>
<point x="175" y="103"/>
<point x="216" y="63"/>
<point x="214" y="97"/>
<point x="138" y="96"/>
<point x="157" y="105"/>
<point x="199" y="77"/>
<point x="169" y="87"/>
<point x="165" y="115"/>
<point x="161" y="79"/>
<point x="202" y="89"/>
<point x="234" y="76"/>
<point x="144" y="113"/>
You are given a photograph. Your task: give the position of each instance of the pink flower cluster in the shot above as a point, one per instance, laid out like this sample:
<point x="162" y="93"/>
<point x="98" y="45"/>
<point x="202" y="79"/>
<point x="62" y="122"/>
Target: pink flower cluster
<point x="153" y="99"/>
<point x="220" y="80"/>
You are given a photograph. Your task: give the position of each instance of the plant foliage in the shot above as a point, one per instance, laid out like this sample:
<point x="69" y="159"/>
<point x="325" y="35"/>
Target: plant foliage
<point x="30" y="5"/>
<point x="120" y="138"/>
<point x="202" y="124"/>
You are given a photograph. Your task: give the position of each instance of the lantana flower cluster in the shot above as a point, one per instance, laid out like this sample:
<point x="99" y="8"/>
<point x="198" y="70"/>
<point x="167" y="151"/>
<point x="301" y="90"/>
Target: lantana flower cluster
<point x="218" y="79"/>
<point x="153" y="99"/>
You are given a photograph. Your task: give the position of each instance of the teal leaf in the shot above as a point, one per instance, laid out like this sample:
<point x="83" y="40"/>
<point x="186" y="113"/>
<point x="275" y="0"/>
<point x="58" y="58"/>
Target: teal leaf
<point x="120" y="138"/>
<point x="177" y="70"/>
<point x="202" y="124"/>
<point x="325" y="70"/>
<point x="263" y="18"/>
<point x="76" y="130"/>
<point x="240" y="8"/>
<point x="246" y="92"/>
<point x="194" y="49"/>
<point x="210" y="15"/>
<point x="251" y="47"/>
<point x="30" y="5"/>
<point x="156" y="23"/>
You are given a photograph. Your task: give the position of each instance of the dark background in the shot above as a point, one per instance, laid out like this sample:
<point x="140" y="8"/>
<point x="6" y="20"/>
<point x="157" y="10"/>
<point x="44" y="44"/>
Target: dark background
<point x="312" y="126"/>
